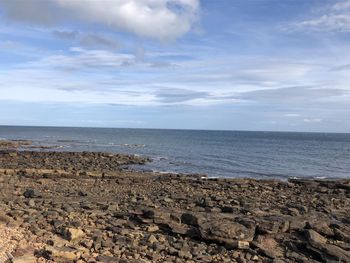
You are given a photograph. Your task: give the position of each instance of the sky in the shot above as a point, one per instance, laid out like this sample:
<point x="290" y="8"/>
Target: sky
<point x="272" y="65"/>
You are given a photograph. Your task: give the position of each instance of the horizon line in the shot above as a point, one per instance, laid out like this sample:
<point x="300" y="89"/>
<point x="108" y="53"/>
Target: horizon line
<point x="174" y="129"/>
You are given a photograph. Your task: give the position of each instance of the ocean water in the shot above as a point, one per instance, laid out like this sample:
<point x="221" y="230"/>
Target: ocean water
<point x="214" y="153"/>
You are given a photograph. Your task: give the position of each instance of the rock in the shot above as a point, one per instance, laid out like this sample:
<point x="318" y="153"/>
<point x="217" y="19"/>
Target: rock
<point x="242" y="245"/>
<point x="314" y="237"/>
<point x="13" y="154"/>
<point x="205" y="258"/>
<point x="297" y="223"/>
<point x="107" y="259"/>
<point x="72" y="234"/>
<point x="168" y="200"/>
<point x="24" y="259"/>
<point x="180" y="229"/>
<point x="87" y="243"/>
<point x="31" y="193"/>
<point x="228" y="209"/>
<point x="152" y="228"/>
<point x="292" y="211"/>
<point x="86" y="213"/>
<point x="255" y="258"/>
<point x="67" y="208"/>
<point x="268" y="247"/>
<point x="190" y="219"/>
<point x="320" y="243"/>
<point x="4" y="219"/>
<point x="31" y="203"/>
<point x="321" y="227"/>
<point x="225" y="231"/>
<point x="107" y="243"/>
<point x="340" y="235"/>
<point x="336" y="253"/>
<point x="97" y="243"/>
<point x="269" y="226"/>
<point x="57" y="241"/>
<point x="62" y="252"/>
<point x="86" y="206"/>
<point x="152" y="239"/>
<point x="183" y="253"/>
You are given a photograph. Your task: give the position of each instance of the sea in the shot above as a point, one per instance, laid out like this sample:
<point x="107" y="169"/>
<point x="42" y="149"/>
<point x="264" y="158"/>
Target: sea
<point x="233" y="154"/>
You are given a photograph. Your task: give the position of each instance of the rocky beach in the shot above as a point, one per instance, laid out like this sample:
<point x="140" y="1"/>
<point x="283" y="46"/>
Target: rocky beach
<point x="92" y="207"/>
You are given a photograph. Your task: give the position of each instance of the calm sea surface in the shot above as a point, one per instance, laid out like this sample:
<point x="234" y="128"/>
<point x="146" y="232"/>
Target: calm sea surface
<point x="215" y="153"/>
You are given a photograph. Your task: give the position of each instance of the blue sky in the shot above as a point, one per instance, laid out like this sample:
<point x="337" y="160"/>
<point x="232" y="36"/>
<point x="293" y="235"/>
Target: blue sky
<point x="188" y="64"/>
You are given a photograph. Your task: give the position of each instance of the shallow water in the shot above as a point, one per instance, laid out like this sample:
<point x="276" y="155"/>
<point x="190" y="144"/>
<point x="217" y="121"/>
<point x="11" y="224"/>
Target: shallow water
<point x="215" y="153"/>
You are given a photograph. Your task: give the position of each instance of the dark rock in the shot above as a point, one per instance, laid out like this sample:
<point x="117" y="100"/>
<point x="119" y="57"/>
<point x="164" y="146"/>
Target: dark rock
<point x="107" y="259"/>
<point x="190" y="219"/>
<point x="31" y="193"/>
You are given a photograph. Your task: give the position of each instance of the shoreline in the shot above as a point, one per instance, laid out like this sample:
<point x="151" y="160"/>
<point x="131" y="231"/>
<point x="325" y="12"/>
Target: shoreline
<point x="89" y="207"/>
<point x="22" y="145"/>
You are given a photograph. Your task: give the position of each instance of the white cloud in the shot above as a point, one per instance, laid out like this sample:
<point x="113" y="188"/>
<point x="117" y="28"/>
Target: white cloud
<point x="334" y="18"/>
<point x="83" y="59"/>
<point x="292" y="115"/>
<point x="312" y="120"/>
<point x="9" y="44"/>
<point x="66" y="35"/>
<point x="341" y="5"/>
<point x="160" y="19"/>
<point x="113" y="77"/>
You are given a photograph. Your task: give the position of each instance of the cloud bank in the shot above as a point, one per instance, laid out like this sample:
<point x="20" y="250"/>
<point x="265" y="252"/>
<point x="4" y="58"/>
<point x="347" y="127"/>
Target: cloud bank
<point x="159" y="19"/>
